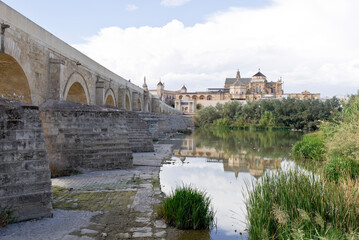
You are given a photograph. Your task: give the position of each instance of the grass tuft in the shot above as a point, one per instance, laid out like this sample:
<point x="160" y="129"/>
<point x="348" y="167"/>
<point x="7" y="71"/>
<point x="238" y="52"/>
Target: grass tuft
<point x="296" y="205"/>
<point x="187" y="208"/>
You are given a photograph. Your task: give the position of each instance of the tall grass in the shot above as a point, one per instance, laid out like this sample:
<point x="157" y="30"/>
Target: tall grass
<point x="297" y="205"/>
<point x="187" y="208"/>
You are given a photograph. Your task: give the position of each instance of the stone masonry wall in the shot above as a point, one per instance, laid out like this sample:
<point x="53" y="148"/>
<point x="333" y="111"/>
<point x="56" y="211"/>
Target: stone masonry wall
<point x="138" y="133"/>
<point x="25" y="185"/>
<point x="160" y="125"/>
<point x="85" y="137"/>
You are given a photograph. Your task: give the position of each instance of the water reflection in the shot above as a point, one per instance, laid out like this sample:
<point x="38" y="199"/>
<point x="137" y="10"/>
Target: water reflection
<point x="239" y="151"/>
<point x="221" y="162"/>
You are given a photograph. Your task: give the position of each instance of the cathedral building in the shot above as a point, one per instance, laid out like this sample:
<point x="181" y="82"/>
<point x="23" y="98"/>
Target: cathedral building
<point x="235" y="89"/>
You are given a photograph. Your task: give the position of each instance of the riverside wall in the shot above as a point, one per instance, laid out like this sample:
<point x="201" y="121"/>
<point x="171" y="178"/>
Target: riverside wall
<point x="25" y="186"/>
<point x="81" y="136"/>
<point x="67" y="135"/>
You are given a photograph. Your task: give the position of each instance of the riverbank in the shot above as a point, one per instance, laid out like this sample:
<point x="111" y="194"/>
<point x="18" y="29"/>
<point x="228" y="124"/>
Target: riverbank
<point x="115" y="204"/>
<point x="320" y="202"/>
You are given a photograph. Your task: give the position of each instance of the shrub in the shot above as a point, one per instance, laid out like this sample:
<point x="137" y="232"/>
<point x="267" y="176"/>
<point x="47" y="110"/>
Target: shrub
<point x="59" y="170"/>
<point x="5" y="217"/>
<point x="187" y="208"/>
<point x="311" y="147"/>
<point x="340" y="166"/>
<point x="297" y="205"/>
<point x="222" y="122"/>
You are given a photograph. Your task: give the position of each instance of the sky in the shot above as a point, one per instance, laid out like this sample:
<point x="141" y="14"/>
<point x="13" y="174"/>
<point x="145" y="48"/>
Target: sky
<point x="311" y="44"/>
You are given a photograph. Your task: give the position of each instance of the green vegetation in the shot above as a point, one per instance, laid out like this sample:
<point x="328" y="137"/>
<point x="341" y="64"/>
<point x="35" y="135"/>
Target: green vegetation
<point x="297" y="205"/>
<point x="311" y="147"/>
<point x="336" y="144"/>
<point x="5" y="217"/>
<point x="187" y="208"/>
<point x="286" y="113"/>
<point x="321" y="205"/>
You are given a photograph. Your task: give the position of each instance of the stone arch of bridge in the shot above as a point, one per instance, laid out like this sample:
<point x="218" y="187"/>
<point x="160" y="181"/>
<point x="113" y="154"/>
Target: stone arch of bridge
<point x="13" y="81"/>
<point x="76" y="89"/>
<point x="110" y="98"/>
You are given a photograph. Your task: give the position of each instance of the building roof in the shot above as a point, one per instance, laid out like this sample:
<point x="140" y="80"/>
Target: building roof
<point x="259" y="74"/>
<point x="231" y="81"/>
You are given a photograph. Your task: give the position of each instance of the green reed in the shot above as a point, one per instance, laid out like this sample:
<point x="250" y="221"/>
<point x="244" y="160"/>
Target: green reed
<point x="298" y="205"/>
<point x="187" y="208"/>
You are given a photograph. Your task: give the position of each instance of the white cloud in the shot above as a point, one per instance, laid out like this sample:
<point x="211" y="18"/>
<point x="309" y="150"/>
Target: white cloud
<point x="173" y="3"/>
<point x="311" y="43"/>
<point x="131" y="7"/>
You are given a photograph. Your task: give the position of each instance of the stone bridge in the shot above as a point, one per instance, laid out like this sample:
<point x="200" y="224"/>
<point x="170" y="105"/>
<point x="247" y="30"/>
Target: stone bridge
<point x="62" y="111"/>
<point x="36" y="65"/>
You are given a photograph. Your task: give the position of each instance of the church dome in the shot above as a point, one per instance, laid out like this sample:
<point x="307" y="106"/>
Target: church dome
<point x="259" y="74"/>
<point x="259" y="77"/>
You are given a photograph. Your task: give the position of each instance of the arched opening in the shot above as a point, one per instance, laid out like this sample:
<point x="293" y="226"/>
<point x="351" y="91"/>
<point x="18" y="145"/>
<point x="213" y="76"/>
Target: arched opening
<point x="139" y="105"/>
<point x="194" y="97"/>
<point x="13" y="81"/>
<point x="76" y="89"/>
<point x="77" y="94"/>
<point x="180" y="97"/>
<point x="110" y="101"/>
<point x="201" y="97"/>
<point x="128" y="104"/>
<point x="209" y="97"/>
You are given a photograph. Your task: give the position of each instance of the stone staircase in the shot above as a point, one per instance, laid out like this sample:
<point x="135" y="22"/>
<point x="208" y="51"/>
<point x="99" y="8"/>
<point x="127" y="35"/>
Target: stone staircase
<point x="88" y="137"/>
<point x="138" y="133"/>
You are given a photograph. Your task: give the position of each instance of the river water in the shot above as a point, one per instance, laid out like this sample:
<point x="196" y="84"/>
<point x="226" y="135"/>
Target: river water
<point x="223" y="163"/>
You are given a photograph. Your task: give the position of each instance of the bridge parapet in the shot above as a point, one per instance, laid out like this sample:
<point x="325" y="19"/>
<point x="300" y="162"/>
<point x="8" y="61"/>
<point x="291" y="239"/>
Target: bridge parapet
<point x="52" y="69"/>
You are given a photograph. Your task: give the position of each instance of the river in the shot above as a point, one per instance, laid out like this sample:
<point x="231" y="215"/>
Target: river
<point x="224" y="163"/>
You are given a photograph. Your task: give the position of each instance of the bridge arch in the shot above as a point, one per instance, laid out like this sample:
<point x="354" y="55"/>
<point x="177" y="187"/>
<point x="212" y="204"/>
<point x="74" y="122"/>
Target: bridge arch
<point x="76" y="89"/>
<point x="13" y="81"/>
<point x="110" y="98"/>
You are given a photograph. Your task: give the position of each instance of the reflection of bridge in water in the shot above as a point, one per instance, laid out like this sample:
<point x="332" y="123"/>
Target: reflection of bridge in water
<point x="238" y="162"/>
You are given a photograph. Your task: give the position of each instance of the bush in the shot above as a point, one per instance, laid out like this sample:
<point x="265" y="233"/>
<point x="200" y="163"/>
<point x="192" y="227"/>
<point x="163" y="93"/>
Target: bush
<point x="295" y="205"/>
<point x="222" y="122"/>
<point x="187" y="208"/>
<point x="59" y="170"/>
<point x="5" y="217"/>
<point x="311" y="147"/>
<point x="340" y="166"/>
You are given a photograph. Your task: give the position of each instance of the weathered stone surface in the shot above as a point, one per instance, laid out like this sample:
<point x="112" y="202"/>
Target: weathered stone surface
<point x="83" y="136"/>
<point x="161" y="125"/>
<point x="44" y="67"/>
<point x="138" y="133"/>
<point x="25" y="185"/>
